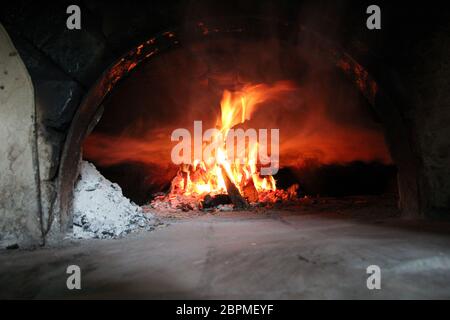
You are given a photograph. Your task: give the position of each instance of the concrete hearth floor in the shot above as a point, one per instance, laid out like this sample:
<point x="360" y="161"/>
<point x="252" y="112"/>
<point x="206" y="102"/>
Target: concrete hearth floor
<point x="267" y="255"/>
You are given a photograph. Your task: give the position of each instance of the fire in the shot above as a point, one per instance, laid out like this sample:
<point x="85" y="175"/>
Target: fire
<point x="218" y="173"/>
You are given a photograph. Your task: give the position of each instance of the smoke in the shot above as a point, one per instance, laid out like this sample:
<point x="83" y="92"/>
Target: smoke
<point x="323" y="118"/>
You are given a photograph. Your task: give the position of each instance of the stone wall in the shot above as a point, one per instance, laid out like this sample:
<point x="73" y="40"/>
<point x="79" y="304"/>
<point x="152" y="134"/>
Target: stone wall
<point x="19" y="185"/>
<point x="429" y="80"/>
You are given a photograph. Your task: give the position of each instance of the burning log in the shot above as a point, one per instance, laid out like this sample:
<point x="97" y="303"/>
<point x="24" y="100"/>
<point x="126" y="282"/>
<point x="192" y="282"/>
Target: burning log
<point x="233" y="192"/>
<point x="292" y="191"/>
<point x="250" y="192"/>
<point x="184" y="170"/>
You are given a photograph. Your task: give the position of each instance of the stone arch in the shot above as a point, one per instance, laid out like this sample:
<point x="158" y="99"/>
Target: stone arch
<point x="90" y="110"/>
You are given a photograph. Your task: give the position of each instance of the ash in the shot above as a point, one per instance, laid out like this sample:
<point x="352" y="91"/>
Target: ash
<point x="101" y="210"/>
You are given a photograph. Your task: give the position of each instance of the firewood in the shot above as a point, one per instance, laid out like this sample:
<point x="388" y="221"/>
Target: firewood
<point x="233" y="192"/>
<point x="292" y="191"/>
<point x="250" y="192"/>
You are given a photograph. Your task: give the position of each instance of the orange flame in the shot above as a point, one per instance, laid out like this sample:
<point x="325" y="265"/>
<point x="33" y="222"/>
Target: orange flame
<point x="206" y="176"/>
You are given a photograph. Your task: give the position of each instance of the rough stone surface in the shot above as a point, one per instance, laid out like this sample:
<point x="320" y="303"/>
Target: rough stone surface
<point x="44" y="26"/>
<point x="19" y="186"/>
<point x="431" y="118"/>
<point x="321" y="255"/>
<point x="57" y="94"/>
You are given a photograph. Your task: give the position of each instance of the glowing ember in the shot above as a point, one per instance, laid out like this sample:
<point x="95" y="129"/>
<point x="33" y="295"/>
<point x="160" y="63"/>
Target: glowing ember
<point x="218" y="173"/>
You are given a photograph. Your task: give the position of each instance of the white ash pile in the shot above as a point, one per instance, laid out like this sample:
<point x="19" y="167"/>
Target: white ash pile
<point x="101" y="211"/>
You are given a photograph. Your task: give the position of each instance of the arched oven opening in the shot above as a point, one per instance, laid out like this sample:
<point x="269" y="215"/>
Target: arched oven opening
<point x="243" y="77"/>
